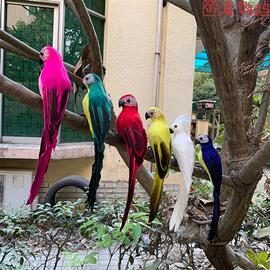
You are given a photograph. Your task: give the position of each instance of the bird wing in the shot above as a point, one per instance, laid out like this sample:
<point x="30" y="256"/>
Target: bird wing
<point x="162" y="155"/>
<point x="184" y="152"/>
<point x="201" y="161"/>
<point x="54" y="105"/>
<point x="100" y="116"/>
<point x="213" y="163"/>
<point x="137" y="141"/>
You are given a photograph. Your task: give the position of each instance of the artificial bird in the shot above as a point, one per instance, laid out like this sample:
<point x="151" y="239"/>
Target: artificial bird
<point x="184" y="152"/>
<point x="97" y="108"/>
<point x="54" y="88"/>
<point x="130" y="128"/>
<point x="211" y="163"/>
<point x="160" y="142"/>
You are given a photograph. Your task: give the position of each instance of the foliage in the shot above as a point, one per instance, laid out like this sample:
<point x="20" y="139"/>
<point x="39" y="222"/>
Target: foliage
<point x="71" y="231"/>
<point x="260" y="259"/>
<point x="204" y="87"/>
<point x="257" y="219"/>
<point x="67" y="230"/>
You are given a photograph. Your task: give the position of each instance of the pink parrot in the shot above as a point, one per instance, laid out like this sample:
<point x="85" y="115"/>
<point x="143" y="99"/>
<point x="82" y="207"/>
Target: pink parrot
<point x="54" y="87"/>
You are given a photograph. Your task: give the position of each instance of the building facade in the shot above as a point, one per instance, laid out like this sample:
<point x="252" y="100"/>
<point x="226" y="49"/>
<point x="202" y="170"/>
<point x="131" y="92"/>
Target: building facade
<point x="148" y="50"/>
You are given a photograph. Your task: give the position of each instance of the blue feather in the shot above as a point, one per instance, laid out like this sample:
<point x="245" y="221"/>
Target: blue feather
<point x="212" y="161"/>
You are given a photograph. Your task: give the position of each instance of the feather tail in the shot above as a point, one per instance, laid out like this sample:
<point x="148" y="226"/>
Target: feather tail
<point x="181" y="204"/>
<point x="96" y="174"/>
<point x="131" y="188"/>
<point x="155" y="197"/>
<point x="216" y="214"/>
<point x="47" y="145"/>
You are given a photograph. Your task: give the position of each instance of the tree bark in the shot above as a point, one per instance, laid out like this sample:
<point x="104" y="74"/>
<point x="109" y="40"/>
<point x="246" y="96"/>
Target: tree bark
<point x="217" y="49"/>
<point x="233" y="60"/>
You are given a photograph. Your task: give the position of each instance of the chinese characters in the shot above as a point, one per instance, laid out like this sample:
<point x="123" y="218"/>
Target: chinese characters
<point x="213" y="8"/>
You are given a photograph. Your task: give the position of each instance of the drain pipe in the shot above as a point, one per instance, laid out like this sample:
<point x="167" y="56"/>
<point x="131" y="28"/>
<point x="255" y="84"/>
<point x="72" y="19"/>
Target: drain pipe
<point x="157" y="54"/>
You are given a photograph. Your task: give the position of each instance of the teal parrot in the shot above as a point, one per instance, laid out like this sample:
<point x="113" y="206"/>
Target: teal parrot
<point x="97" y="108"/>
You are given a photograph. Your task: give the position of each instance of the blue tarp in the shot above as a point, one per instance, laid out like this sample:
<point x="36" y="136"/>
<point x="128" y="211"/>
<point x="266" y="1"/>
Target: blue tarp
<point x="202" y="64"/>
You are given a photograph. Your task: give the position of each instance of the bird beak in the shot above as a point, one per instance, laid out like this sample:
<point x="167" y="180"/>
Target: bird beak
<point x="40" y="58"/>
<point x="171" y="131"/>
<point x="196" y="141"/>
<point x="147" y="116"/>
<point x="120" y="103"/>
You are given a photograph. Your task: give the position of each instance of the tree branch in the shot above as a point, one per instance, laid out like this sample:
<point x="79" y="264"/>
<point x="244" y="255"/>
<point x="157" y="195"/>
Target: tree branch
<point x="183" y="4"/>
<point x="25" y="96"/>
<point x="262" y="110"/>
<point x="216" y="46"/>
<point x="80" y="11"/>
<point x="232" y="258"/>
<point x="249" y="172"/>
<point x="20" y="48"/>
<point x="12" y="49"/>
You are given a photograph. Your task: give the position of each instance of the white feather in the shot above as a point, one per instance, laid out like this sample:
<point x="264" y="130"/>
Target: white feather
<point x="184" y="152"/>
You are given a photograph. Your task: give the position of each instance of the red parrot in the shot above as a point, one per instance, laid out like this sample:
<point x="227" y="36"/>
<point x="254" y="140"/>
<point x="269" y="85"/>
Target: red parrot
<point x="54" y="87"/>
<point x="130" y="128"/>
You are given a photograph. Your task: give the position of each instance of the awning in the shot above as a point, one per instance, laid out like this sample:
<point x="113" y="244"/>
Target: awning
<point x="202" y="64"/>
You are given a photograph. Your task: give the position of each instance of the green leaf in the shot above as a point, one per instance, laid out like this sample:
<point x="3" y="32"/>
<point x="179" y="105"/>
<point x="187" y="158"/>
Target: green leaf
<point x="137" y="232"/>
<point x="101" y="230"/>
<point x="106" y="242"/>
<point x="88" y="223"/>
<point x="262" y="256"/>
<point x="90" y="258"/>
<point x="137" y="215"/>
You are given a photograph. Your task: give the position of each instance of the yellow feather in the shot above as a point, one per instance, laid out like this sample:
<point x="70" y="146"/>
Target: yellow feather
<point x="200" y="159"/>
<point x="158" y="133"/>
<point x="85" y="104"/>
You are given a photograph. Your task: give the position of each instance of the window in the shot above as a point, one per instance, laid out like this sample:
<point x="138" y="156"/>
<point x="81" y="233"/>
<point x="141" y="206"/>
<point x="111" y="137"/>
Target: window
<point x="75" y="40"/>
<point x="35" y="30"/>
<point x="35" y="25"/>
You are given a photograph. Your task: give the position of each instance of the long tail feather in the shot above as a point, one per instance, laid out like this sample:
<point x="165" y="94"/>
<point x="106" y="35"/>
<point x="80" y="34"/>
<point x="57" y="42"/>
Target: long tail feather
<point x="216" y="214"/>
<point x="96" y="174"/>
<point x="155" y="197"/>
<point x="131" y="188"/>
<point x="44" y="158"/>
<point x="181" y="203"/>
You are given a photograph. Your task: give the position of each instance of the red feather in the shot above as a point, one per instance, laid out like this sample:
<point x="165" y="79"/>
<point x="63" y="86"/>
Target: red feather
<point x="131" y="130"/>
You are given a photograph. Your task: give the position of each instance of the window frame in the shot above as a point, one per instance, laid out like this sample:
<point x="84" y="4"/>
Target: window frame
<point x="58" y="43"/>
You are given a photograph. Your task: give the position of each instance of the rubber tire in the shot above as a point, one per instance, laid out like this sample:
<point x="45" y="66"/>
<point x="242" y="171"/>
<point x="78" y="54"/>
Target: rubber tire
<point x="68" y="181"/>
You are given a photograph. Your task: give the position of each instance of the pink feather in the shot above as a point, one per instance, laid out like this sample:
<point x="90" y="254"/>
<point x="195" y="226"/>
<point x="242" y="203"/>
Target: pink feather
<point x="54" y="87"/>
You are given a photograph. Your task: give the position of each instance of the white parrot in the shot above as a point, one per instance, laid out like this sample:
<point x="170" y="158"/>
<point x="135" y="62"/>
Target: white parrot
<point x="184" y="153"/>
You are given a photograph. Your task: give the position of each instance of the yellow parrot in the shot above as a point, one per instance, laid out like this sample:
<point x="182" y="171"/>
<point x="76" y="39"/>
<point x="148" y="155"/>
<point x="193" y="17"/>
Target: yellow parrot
<point x="160" y="142"/>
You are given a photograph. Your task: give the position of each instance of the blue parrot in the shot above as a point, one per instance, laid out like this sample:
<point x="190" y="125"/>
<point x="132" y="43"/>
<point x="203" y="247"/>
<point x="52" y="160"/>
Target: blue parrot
<point x="97" y="107"/>
<point x="211" y="163"/>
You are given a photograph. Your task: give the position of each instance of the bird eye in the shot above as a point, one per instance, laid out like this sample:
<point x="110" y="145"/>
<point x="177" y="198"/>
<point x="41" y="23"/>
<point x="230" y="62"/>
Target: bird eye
<point x="41" y="53"/>
<point x="128" y="100"/>
<point x="201" y="138"/>
<point x="175" y="126"/>
<point x="151" y="113"/>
